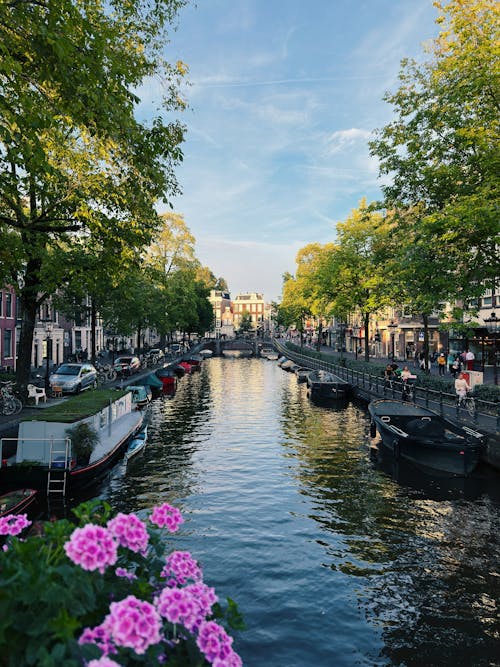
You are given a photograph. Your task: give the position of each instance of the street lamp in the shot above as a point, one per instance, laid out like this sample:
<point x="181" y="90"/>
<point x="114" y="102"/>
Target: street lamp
<point x="392" y="326"/>
<point x="493" y="325"/>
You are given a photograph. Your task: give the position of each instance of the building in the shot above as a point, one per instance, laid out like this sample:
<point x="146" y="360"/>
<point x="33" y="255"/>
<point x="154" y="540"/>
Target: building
<point x="8" y="313"/>
<point x="223" y="313"/>
<point x="252" y="303"/>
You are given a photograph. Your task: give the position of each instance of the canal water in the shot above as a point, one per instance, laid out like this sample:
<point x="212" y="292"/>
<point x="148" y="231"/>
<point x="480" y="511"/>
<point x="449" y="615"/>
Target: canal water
<point x="333" y="559"/>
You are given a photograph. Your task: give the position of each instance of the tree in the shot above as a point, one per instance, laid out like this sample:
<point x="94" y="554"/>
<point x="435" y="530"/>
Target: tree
<point x="75" y="163"/>
<point x="441" y="150"/>
<point x="245" y="322"/>
<point x="357" y="274"/>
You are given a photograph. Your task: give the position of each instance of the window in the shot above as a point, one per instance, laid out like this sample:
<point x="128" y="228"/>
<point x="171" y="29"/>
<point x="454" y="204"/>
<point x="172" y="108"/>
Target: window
<point x="7" y="343"/>
<point x="8" y="305"/>
<point x="1" y="303"/>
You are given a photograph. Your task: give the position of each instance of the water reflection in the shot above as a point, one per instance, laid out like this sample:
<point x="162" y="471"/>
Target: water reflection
<point x="333" y="559"/>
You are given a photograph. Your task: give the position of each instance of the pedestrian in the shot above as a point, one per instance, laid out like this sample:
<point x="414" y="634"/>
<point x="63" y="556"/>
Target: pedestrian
<point x="469" y="358"/>
<point x="450" y="359"/>
<point x="389" y="376"/>
<point x="461" y="387"/>
<point x="456" y="366"/>
<point x="441" y="360"/>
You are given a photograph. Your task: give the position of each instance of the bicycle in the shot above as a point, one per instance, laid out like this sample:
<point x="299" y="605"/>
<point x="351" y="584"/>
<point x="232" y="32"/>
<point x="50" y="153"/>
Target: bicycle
<point x="408" y="391"/>
<point x="9" y="404"/>
<point x="467" y="403"/>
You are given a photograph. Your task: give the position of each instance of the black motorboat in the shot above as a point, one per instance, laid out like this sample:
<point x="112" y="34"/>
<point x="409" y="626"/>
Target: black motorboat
<point x="324" y="385"/>
<point x="424" y="438"/>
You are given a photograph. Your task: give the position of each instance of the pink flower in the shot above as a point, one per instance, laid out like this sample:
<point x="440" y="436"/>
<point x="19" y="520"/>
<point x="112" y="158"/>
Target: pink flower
<point x="204" y="597"/>
<point x="122" y="572"/>
<point x="215" y="644"/>
<point x="98" y="636"/>
<point x="166" y="515"/>
<point x="13" y="524"/>
<point x="178" y="606"/>
<point x="130" y="532"/>
<point x="133" y="623"/>
<point x="92" y="547"/>
<point x="179" y="567"/>
<point x="103" y="662"/>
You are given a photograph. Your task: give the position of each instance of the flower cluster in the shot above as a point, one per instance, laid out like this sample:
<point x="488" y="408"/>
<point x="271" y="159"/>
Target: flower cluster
<point x="179" y="567"/>
<point x="166" y="516"/>
<point x="92" y="547"/>
<point x="13" y="524"/>
<point x="216" y="645"/>
<point x="130" y="532"/>
<point x="138" y="624"/>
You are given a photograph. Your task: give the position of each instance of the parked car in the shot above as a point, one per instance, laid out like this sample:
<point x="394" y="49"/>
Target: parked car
<point x="73" y="378"/>
<point x="127" y="365"/>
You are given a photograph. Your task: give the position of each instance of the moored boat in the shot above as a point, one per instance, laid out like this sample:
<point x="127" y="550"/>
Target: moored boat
<point x="425" y="438"/>
<point x="302" y="373"/>
<point x="45" y="454"/>
<point x="167" y="377"/>
<point x="17" y="501"/>
<point x="136" y="445"/>
<point x="140" y="395"/>
<point x="324" y="385"/>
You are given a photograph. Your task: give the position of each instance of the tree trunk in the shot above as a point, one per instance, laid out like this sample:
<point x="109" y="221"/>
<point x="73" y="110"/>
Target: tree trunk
<point x="28" y="301"/>
<point x="425" y="320"/>
<point x="366" y="324"/>
<point x="93" y="326"/>
<point x="139" y="331"/>
<point x="320" y="336"/>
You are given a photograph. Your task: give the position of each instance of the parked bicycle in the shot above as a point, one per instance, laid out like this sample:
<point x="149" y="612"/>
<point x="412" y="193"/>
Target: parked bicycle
<point x="9" y="404"/>
<point x="105" y="373"/>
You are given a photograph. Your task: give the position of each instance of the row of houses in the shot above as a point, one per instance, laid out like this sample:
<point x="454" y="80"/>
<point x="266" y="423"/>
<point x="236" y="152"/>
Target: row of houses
<point x="55" y="337"/>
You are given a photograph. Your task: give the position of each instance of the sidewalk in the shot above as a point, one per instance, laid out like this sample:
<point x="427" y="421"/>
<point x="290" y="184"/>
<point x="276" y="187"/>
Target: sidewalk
<point x="488" y="376"/>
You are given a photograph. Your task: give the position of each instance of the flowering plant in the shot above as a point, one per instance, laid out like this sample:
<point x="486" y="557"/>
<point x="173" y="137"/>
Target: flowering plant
<point x="104" y="594"/>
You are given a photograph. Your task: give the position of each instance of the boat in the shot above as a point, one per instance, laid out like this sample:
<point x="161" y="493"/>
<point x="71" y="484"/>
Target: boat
<point x="289" y="365"/>
<point x="167" y="377"/>
<point x="269" y="353"/>
<point x="281" y="360"/>
<point x="179" y="370"/>
<point x="301" y="372"/>
<point x="195" y="361"/>
<point x="17" y="501"/>
<point x="136" y="445"/>
<point x="324" y="385"/>
<point x="141" y="395"/>
<point x="424" y="438"/>
<point x="45" y="456"/>
<point x="206" y="352"/>
<point x="153" y="384"/>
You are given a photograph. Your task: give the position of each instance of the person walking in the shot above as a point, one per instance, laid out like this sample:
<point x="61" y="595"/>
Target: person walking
<point x="450" y="359"/>
<point x="441" y="361"/>
<point x="455" y="367"/>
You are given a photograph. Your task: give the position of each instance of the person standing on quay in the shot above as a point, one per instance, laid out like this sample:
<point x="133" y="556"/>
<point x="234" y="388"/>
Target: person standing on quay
<point x="441" y="361"/>
<point x="449" y="361"/>
<point x="469" y="357"/>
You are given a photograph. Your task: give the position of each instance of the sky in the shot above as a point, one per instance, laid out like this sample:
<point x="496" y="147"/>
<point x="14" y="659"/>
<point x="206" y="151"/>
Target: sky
<point x="283" y="98"/>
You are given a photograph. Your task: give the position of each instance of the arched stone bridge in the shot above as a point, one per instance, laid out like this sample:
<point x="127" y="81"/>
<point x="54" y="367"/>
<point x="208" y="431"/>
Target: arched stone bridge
<point x="219" y="345"/>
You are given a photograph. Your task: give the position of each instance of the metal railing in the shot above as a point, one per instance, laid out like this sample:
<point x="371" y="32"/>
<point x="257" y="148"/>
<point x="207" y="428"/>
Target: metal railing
<point x="368" y="386"/>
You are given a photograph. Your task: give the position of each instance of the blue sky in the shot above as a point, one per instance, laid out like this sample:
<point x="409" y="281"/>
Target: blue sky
<point x="284" y="95"/>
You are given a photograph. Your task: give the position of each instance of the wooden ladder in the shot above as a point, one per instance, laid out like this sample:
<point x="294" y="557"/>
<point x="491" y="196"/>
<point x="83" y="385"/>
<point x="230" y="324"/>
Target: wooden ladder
<point x="58" y="469"/>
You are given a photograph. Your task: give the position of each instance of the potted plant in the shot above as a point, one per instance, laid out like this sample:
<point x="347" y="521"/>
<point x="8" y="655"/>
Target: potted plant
<point x="84" y="439"/>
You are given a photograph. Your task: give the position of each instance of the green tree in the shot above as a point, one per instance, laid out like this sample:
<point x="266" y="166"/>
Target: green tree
<point x="441" y="151"/>
<point x="75" y="163"/>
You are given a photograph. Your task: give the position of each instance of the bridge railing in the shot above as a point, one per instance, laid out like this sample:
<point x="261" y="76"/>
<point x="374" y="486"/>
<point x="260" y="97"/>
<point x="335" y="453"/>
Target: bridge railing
<point x="370" y="386"/>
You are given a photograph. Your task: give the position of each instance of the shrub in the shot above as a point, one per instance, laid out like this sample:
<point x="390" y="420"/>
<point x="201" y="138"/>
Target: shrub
<point x="104" y="592"/>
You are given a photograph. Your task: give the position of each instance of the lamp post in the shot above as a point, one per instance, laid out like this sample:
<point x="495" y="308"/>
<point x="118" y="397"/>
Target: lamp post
<point x="392" y="326"/>
<point x="493" y="325"/>
<point x="48" y="331"/>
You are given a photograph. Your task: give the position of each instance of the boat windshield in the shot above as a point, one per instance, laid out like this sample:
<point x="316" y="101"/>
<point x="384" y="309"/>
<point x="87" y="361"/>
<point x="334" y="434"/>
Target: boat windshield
<point x="68" y="369"/>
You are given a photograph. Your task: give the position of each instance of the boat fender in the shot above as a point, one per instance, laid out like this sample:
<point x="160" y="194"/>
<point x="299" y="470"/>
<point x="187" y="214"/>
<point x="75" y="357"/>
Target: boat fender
<point x="373" y="429"/>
